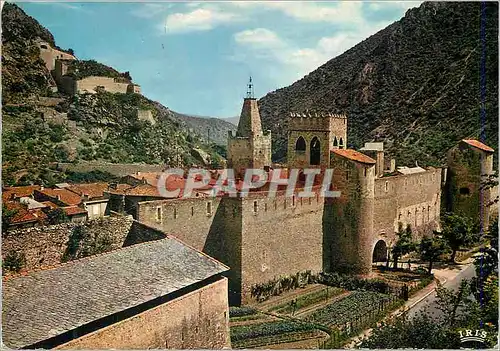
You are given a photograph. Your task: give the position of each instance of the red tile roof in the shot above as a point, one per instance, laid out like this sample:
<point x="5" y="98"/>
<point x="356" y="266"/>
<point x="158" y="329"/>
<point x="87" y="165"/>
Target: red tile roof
<point x="63" y="195"/>
<point x="93" y="190"/>
<point x="478" y="144"/>
<point x="354" y="155"/>
<point x="150" y="177"/>
<point x="23" y="215"/>
<point x="73" y="210"/>
<point x="19" y="191"/>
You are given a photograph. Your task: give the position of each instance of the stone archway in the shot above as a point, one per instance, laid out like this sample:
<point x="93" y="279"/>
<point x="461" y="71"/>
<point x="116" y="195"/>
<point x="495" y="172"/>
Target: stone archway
<point x="380" y="252"/>
<point x="315" y="152"/>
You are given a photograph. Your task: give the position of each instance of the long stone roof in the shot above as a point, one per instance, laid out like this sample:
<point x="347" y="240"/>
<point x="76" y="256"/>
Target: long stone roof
<point x="50" y="302"/>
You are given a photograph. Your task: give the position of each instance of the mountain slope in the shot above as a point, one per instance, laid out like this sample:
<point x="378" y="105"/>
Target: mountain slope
<point x="208" y="127"/>
<point x="414" y="85"/>
<point x="41" y="127"/>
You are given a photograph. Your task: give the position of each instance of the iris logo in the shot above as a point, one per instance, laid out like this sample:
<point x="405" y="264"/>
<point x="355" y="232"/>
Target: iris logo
<point x="468" y="335"/>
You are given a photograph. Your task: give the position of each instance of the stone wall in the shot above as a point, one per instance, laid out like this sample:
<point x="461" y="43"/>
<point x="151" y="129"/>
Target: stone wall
<point x="303" y="159"/>
<point x="109" y="84"/>
<point x="413" y="199"/>
<point x="464" y="195"/>
<point x="281" y="236"/>
<point x="46" y="246"/>
<point x="348" y="219"/>
<point x="49" y="55"/>
<point x="146" y="115"/>
<point x="198" y="320"/>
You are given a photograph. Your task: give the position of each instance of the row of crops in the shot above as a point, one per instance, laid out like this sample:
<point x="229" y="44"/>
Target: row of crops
<point x="271" y="333"/>
<point x="357" y="305"/>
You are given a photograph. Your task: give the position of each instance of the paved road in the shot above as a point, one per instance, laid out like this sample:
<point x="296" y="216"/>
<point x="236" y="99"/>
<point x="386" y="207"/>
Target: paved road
<point x="429" y="303"/>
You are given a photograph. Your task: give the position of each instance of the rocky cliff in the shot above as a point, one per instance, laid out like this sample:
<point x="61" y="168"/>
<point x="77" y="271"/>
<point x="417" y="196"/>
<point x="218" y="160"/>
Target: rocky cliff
<point x="414" y="85"/>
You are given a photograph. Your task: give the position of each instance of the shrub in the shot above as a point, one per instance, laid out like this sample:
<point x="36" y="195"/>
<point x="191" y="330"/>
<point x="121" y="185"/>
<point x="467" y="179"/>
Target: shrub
<point x="14" y="261"/>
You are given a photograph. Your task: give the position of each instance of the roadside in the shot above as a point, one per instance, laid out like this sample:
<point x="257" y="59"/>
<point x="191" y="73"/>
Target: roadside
<point x="442" y="275"/>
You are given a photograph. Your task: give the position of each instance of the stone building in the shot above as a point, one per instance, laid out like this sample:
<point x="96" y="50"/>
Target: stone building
<point x="311" y="136"/>
<point x="470" y="164"/>
<point x="91" y="84"/>
<point x="158" y="294"/>
<point x="259" y="237"/>
<point x="49" y="55"/>
<point x="250" y="147"/>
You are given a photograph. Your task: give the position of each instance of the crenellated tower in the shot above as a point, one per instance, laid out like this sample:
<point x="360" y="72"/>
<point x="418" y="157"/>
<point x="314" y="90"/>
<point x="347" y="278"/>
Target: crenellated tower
<point x="250" y="147"/>
<point x="311" y="136"/>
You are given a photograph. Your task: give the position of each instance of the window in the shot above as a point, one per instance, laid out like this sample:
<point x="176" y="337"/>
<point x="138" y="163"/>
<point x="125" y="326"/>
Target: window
<point x="43" y="46"/>
<point x="341" y="144"/>
<point x="293" y="200"/>
<point x="300" y="145"/>
<point x="255" y="207"/>
<point x="192" y="211"/>
<point x="335" y="143"/>
<point x="464" y="191"/>
<point x="364" y="170"/>
<point x="386" y="186"/>
<point x="158" y="214"/>
<point x="315" y="155"/>
<point x="265" y="207"/>
<point x="399" y="217"/>
<point x="209" y="208"/>
<point x="175" y="212"/>
<point x="346" y="175"/>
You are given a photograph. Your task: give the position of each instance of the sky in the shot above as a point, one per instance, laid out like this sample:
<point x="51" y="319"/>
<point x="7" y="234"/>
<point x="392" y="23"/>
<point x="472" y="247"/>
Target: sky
<point x="196" y="57"/>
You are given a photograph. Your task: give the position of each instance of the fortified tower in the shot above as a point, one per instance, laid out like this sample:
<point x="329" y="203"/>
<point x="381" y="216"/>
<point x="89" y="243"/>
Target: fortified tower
<point x="311" y="136"/>
<point x="250" y="148"/>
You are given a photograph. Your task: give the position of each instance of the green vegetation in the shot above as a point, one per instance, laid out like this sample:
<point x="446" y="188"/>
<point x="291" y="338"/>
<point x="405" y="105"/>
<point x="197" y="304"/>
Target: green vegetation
<point x="241" y="311"/>
<point x="404" y="245"/>
<point x="81" y="243"/>
<point x="396" y="87"/>
<point x="458" y="231"/>
<point x="277" y="286"/>
<point x="431" y="249"/>
<point x="308" y="300"/>
<point x="14" y="261"/>
<point x="245" y="332"/>
<point x="85" y="68"/>
<point x="355" y="305"/>
<point x="473" y="306"/>
<point x="7" y="216"/>
<point x="57" y="216"/>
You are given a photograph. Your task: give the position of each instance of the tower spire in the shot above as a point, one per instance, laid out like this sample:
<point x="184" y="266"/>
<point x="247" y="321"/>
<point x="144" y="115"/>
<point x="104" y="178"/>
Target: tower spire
<point x="250" y="94"/>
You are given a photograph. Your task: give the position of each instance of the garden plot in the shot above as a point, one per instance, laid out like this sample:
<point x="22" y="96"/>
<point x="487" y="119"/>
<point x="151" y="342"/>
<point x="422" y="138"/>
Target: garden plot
<point x="272" y="333"/>
<point x="309" y="301"/>
<point x="358" y="305"/>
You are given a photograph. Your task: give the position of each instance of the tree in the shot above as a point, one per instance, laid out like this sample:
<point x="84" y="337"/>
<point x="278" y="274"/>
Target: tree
<point x="457" y="231"/>
<point x="71" y="52"/>
<point x="7" y="216"/>
<point x="426" y="331"/>
<point x="431" y="248"/>
<point x="56" y="216"/>
<point x="404" y="245"/>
